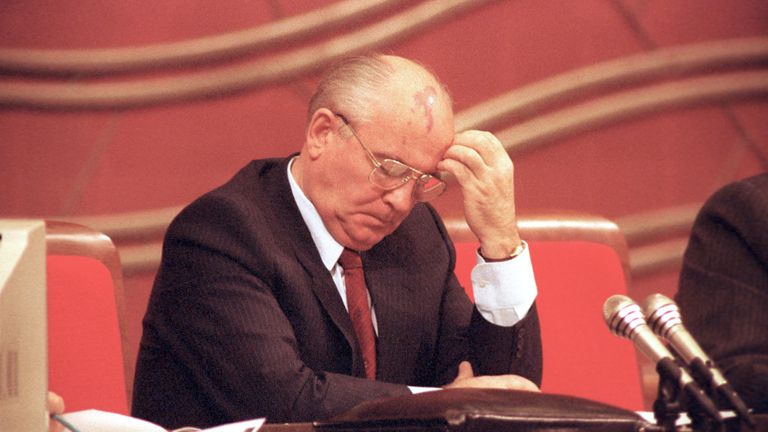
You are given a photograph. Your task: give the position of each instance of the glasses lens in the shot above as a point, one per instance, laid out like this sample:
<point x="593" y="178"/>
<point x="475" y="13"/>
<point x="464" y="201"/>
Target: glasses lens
<point x="390" y="174"/>
<point x="395" y="168"/>
<point x="428" y="187"/>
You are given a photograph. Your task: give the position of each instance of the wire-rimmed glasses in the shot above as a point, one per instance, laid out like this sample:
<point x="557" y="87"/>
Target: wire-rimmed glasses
<point x="390" y="174"/>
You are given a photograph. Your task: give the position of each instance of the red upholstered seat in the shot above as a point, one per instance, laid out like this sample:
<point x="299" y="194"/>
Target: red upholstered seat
<point x="85" y="347"/>
<point x="578" y="262"/>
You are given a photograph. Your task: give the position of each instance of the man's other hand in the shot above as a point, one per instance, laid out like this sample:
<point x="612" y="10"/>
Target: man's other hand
<point x="467" y="379"/>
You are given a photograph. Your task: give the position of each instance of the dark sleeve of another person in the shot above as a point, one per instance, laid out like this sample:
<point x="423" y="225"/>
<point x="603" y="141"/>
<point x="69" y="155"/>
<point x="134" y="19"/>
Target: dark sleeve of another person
<point x="723" y="292"/>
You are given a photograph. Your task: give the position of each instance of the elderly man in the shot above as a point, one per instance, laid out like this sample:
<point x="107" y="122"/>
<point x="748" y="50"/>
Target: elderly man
<point x="307" y="285"/>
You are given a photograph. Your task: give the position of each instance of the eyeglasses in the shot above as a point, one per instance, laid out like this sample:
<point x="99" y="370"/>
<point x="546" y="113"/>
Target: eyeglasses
<point x="390" y="174"/>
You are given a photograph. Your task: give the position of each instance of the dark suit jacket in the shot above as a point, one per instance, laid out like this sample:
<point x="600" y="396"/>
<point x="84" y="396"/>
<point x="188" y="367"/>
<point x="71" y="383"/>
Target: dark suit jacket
<point x="723" y="295"/>
<point x="245" y="321"/>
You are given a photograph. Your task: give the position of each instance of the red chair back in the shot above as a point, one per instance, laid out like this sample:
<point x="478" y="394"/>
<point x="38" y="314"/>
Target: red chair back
<point x="85" y="344"/>
<point x="578" y="263"/>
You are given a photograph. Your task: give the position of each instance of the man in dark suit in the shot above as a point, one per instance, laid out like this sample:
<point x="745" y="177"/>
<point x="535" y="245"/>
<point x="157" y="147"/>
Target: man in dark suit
<point x="723" y="293"/>
<point x="249" y="313"/>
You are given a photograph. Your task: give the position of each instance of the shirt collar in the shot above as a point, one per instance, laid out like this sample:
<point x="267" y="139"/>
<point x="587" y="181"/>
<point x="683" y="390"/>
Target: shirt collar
<point x="330" y="250"/>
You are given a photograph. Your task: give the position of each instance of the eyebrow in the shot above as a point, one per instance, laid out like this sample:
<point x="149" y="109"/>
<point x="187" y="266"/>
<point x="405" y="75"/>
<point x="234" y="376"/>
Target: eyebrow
<point x="411" y="166"/>
<point x="378" y="154"/>
<point x="388" y="156"/>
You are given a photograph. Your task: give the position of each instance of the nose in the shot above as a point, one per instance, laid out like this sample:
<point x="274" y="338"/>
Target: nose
<point x="400" y="199"/>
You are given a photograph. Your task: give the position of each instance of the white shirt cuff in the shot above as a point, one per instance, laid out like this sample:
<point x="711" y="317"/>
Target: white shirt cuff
<point x="504" y="291"/>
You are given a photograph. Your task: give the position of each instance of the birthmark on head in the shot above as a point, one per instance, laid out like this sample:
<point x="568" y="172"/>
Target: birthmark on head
<point x="425" y="101"/>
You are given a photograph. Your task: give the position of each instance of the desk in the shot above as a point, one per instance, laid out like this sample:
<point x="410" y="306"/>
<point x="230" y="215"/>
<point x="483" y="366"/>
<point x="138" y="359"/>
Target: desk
<point x="761" y="419"/>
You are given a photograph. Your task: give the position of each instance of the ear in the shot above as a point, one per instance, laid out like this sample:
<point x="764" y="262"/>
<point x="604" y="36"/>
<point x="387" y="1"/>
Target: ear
<point x="320" y="131"/>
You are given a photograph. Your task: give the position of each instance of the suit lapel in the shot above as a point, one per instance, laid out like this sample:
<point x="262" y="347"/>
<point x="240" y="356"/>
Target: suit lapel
<point x="326" y="292"/>
<point x="396" y="304"/>
<point x="299" y="240"/>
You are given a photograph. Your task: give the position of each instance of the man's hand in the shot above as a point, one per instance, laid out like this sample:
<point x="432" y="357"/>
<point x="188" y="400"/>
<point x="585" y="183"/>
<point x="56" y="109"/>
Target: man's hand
<point x="485" y="174"/>
<point x="466" y="378"/>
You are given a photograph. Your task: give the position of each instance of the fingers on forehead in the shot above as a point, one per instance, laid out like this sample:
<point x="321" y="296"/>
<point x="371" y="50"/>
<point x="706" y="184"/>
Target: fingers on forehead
<point x="469" y="155"/>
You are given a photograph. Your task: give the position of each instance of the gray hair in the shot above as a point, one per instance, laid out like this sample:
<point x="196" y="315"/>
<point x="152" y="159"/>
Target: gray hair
<point x="351" y="86"/>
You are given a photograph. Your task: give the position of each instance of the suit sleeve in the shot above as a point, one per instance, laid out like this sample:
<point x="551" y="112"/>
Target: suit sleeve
<point x="490" y="348"/>
<point x="723" y="292"/>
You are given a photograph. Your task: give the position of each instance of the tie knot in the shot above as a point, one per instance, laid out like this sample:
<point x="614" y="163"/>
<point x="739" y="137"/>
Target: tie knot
<point x="350" y="259"/>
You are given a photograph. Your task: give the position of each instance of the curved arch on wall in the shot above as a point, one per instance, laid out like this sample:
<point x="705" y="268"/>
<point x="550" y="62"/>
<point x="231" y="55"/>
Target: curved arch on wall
<point x="706" y="57"/>
<point x="630" y="104"/>
<point x="283" y="67"/>
<point x="675" y="61"/>
<point x="85" y="62"/>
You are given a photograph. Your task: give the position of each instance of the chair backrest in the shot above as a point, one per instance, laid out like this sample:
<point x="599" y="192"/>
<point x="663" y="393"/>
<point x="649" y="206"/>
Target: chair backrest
<point x="86" y="343"/>
<point x="578" y="261"/>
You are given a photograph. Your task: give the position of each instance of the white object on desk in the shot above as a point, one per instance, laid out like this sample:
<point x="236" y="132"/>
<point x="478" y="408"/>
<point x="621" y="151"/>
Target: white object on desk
<point x="101" y="421"/>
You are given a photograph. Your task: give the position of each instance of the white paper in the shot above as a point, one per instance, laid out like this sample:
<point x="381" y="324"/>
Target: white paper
<point x="683" y="419"/>
<point x="102" y="421"/>
<point x="243" y="426"/>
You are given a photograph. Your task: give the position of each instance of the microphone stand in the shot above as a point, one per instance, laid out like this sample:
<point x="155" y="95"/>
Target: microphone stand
<point x="724" y="395"/>
<point x="671" y="400"/>
<point x="666" y="407"/>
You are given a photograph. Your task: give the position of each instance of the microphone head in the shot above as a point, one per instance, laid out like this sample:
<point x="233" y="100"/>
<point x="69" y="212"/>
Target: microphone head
<point x="623" y="316"/>
<point x="662" y="314"/>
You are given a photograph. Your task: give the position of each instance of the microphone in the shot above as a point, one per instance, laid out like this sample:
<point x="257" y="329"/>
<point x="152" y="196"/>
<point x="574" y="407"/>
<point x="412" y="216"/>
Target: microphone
<point x="664" y="318"/>
<point x="625" y="319"/>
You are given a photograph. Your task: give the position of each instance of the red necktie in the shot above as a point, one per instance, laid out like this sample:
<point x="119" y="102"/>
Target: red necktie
<point x="359" y="311"/>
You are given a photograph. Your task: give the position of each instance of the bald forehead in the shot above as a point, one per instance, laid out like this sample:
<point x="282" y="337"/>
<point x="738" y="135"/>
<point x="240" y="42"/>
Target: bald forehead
<point x="415" y="94"/>
<point x="411" y="76"/>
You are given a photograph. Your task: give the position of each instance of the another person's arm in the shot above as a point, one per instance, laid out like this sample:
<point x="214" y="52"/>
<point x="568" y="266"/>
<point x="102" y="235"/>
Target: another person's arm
<point x="723" y="292"/>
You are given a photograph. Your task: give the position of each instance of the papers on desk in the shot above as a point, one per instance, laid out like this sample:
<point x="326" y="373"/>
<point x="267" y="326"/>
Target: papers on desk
<point x="683" y="419"/>
<point x="243" y="426"/>
<point x="101" y="421"/>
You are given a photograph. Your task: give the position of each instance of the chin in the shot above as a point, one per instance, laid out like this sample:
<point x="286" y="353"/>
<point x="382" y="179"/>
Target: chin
<point x="367" y="239"/>
<point x="364" y="245"/>
<point x="364" y="232"/>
